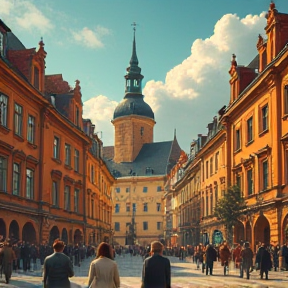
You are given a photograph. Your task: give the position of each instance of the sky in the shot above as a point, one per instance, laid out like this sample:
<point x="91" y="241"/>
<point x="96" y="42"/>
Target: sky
<point x="184" y="49"/>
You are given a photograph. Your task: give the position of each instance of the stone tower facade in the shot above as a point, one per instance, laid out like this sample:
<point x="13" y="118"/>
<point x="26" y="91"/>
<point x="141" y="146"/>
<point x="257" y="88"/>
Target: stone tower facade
<point x="133" y="118"/>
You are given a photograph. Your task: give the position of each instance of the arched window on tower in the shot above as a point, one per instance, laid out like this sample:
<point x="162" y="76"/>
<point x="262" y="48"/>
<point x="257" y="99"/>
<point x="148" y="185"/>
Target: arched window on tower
<point x="128" y="82"/>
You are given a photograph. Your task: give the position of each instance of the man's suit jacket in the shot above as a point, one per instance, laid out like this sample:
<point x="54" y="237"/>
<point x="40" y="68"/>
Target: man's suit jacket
<point x="57" y="269"/>
<point x="156" y="272"/>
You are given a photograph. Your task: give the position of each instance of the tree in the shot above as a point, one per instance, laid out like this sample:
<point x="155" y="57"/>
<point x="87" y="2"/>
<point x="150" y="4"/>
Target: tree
<point x="229" y="208"/>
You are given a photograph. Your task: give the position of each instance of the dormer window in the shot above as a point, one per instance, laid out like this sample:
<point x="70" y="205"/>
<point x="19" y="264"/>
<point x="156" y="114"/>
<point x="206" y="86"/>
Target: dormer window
<point x="1" y="44"/>
<point x="77" y="117"/>
<point x="36" y="78"/>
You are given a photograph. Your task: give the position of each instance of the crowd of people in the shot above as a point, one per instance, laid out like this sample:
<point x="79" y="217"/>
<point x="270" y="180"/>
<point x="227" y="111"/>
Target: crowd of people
<point x="23" y="256"/>
<point x="265" y="257"/>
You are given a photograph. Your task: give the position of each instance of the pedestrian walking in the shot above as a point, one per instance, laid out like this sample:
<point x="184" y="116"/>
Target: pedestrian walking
<point x="247" y="260"/>
<point x="8" y="256"/>
<point x="263" y="258"/>
<point x="211" y="256"/>
<point x="225" y="256"/>
<point x="156" y="270"/>
<point x="275" y="253"/>
<point x="103" y="270"/>
<point x="57" y="268"/>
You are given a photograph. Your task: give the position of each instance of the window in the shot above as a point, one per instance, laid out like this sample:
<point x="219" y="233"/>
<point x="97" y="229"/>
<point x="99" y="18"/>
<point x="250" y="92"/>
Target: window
<point x="158" y="207"/>
<point x="1" y="44"/>
<point x="117" y="226"/>
<point x="29" y="183"/>
<point x="55" y="194"/>
<point x="76" y="160"/>
<point x="56" y="146"/>
<point x="127" y="190"/>
<point x="286" y="100"/>
<point x="92" y="208"/>
<point x="117" y="189"/>
<point x="67" y="198"/>
<point x="216" y="162"/>
<point x="3" y="174"/>
<point x="31" y="129"/>
<point x="237" y="139"/>
<point x="117" y="208"/>
<point x="127" y="207"/>
<point x="134" y="207"/>
<point x="145" y="225"/>
<point x="238" y="181"/>
<point x="211" y="166"/>
<point x="18" y="120"/>
<point x="159" y="225"/>
<point x="3" y="109"/>
<point x="16" y="179"/>
<point x="76" y="200"/>
<point x="265" y="174"/>
<point x="207" y="171"/>
<point x="142" y="131"/>
<point x="264" y="112"/>
<point x="67" y="154"/>
<point x="36" y="77"/>
<point x="92" y="174"/>
<point x="77" y="117"/>
<point x="145" y="189"/>
<point x="250" y="181"/>
<point x="159" y="188"/>
<point x="145" y="207"/>
<point x="249" y="129"/>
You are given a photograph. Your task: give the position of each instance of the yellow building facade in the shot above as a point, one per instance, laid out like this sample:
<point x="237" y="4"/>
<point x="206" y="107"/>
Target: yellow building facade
<point x="139" y="165"/>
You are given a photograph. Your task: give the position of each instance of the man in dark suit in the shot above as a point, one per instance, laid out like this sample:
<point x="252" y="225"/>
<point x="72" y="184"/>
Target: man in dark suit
<point x="156" y="271"/>
<point x="57" y="268"/>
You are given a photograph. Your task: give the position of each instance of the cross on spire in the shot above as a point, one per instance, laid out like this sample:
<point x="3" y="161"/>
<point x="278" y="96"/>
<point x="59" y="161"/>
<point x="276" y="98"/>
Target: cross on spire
<point x="134" y="26"/>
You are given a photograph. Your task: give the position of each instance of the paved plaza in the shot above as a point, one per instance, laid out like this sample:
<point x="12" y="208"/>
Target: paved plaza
<point x="184" y="275"/>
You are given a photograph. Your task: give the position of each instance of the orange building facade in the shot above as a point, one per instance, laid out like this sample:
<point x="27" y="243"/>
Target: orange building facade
<point x="248" y="149"/>
<point x="46" y="154"/>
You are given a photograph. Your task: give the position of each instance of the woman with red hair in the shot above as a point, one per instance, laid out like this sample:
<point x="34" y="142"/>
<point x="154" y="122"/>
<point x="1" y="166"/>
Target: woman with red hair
<point x="103" y="270"/>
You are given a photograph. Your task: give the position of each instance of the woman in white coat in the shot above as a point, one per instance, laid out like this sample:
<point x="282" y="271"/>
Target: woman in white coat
<point x="103" y="270"/>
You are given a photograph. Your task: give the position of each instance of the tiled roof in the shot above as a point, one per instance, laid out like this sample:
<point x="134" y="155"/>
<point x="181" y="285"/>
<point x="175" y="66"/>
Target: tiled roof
<point x="108" y="152"/>
<point x="254" y="64"/>
<point x="159" y="156"/>
<point x="54" y="84"/>
<point x="22" y="59"/>
<point x="13" y="43"/>
<point x="62" y="103"/>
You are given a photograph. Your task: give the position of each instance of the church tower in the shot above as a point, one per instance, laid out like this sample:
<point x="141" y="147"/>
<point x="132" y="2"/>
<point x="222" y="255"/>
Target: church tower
<point x="133" y="118"/>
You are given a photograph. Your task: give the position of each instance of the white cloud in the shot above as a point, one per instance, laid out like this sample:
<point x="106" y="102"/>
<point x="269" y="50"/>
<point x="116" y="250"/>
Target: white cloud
<point x="197" y="88"/>
<point x="90" y="38"/>
<point x="99" y="109"/>
<point x="26" y="15"/>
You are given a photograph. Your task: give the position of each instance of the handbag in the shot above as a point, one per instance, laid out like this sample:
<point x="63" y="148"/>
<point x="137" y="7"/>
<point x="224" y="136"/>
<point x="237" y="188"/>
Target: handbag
<point x="93" y="283"/>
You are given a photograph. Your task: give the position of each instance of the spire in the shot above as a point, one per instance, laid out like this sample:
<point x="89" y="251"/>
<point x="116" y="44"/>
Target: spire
<point x="133" y="76"/>
<point x="134" y="59"/>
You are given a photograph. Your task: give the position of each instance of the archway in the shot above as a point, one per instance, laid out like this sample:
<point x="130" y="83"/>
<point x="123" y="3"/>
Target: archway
<point x="29" y="233"/>
<point x="77" y="236"/>
<point x="14" y="231"/>
<point x="262" y="230"/>
<point x="54" y="234"/>
<point x="2" y="230"/>
<point x="238" y="232"/>
<point x="248" y="232"/>
<point x="64" y="235"/>
<point x="285" y="230"/>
